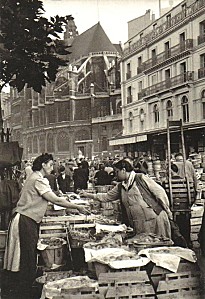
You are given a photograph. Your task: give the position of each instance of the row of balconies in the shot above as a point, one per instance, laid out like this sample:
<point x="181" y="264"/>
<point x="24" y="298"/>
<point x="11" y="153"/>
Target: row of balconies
<point x="172" y="22"/>
<point x="167" y="84"/>
<point x="162" y="57"/>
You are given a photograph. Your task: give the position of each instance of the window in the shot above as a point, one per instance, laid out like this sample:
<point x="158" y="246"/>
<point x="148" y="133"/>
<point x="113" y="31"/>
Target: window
<point x="35" y="145"/>
<point x="167" y="50"/>
<point x="129" y="95"/>
<point x="139" y="68"/>
<point x="50" y="143"/>
<point x="185" y="109"/>
<point x="202" y="61"/>
<point x="184" y="7"/>
<point x="182" y="41"/>
<point x="128" y="71"/>
<point x="154" y="57"/>
<point x="167" y="78"/>
<point x="156" y="113"/>
<point x="169" y="109"/>
<point x="139" y="61"/>
<point x="201" y="37"/>
<point x="104" y="143"/>
<point x="63" y="141"/>
<point x="168" y="18"/>
<point x="201" y="71"/>
<point x="142" y="115"/>
<point x="154" y="26"/>
<point x="183" y="71"/>
<point x="130" y="121"/>
<point x="140" y="86"/>
<point x="154" y="79"/>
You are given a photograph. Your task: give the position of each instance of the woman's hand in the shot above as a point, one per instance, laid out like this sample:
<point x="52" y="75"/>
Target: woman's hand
<point x="83" y="209"/>
<point x="83" y="193"/>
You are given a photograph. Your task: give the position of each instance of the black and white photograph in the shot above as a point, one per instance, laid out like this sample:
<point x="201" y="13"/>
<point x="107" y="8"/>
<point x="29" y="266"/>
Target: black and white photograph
<point x="102" y="149"/>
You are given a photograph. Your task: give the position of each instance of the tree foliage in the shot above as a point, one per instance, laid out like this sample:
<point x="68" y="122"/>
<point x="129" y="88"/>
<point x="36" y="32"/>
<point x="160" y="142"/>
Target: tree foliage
<point x="30" y="45"/>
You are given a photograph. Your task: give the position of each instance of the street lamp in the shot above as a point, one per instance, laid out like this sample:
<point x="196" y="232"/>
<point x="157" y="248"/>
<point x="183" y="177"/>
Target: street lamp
<point x="92" y="96"/>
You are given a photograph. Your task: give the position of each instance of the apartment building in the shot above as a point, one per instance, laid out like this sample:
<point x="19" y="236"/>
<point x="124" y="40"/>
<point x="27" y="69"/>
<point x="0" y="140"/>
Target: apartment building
<point x="163" y="78"/>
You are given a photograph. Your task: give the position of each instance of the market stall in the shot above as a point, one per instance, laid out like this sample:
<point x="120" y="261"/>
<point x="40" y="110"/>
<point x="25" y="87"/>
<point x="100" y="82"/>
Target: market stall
<point x="114" y="264"/>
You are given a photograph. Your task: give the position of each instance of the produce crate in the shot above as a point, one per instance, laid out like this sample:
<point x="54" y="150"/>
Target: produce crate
<point x="159" y="273"/>
<point x="53" y="276"/>
<point x="196" y="221"/>
<point x="129" y="284"/>
<point x="57" y="230"/>
<point x="179" y="285"/>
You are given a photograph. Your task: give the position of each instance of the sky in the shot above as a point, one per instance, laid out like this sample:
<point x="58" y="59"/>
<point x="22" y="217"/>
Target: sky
<point x="113" y="15"/>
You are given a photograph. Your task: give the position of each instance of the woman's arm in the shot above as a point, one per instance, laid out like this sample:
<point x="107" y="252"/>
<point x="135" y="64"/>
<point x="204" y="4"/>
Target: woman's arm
<point x="111" y="195"/>
<point x="63" y="202"/>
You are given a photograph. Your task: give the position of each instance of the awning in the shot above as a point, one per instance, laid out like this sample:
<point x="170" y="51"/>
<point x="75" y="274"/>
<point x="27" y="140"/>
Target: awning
<point x="128" y="140"/>
<point x="84" y="141"/>
<point x="125" y="140"/>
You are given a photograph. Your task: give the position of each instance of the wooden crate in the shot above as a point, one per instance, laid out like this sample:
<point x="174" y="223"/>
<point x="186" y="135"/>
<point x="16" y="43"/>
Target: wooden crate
<point x="80" y="296"/>
<point x="77" y="292"/>
<point x="179" y="285"/>
<point x="126" y="284"/>
<point x="56" y="230"/>
<point x="159" y="273"/>
<point x="196" y="221"/>
<point x="70" y="219"/>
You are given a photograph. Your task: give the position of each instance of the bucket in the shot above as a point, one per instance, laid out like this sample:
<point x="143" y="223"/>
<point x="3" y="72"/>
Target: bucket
<point x="54" y="254"/>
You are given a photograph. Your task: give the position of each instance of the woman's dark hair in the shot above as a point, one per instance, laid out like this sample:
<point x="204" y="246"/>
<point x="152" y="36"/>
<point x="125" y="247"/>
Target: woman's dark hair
<point x="123" y="164"/>
<point x="44" y="158"/>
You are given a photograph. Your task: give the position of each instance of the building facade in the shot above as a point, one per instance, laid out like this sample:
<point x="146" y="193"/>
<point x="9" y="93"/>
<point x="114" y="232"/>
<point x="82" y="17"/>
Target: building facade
<point x="163" y="78"/>
<point x="81" y="110"/>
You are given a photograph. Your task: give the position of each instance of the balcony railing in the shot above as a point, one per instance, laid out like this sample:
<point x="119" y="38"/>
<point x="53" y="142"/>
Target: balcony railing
<point x="189" y="11"/>
<point x="180" y="48"/>
<point x="201" y="39"/>
<point x="201" y="72"/>
<point x="168" y="84"/>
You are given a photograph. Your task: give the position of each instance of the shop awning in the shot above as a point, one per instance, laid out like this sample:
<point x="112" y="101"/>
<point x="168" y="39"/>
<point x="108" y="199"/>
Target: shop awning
<point x="128" y="140"/>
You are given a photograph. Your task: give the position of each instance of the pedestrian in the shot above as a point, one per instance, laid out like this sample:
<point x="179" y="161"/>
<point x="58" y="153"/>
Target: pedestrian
<point x="53" y="181"/>
<point x="80" y="178"/>
<point x="188" y="172"/>
<point x="63" y="180"/>
<point x="21" y="248"/>
<point x="144" y="202"/>
<point x="101" y="177"/>
<point x="69" y="170"/>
